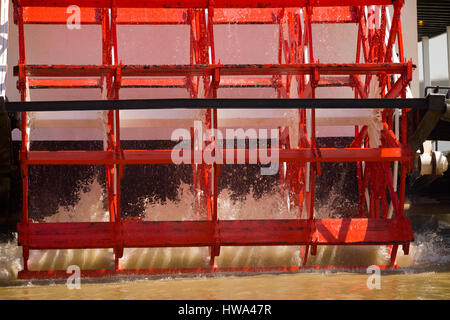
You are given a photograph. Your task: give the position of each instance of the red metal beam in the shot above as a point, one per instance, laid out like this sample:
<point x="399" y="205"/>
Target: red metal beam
<point x="246" y="82"/>
<point x="334" y="15"/>
<point x="363" y="36"/>
<point x="393" y="31"/>
<point x="135" y="234"/>
<point x="201" y="3"/>
<point x="245" y="16"/>
<point x="146" y="16"/>
<point x="48" y="15"/>
<point x="225" y="70"/>
<point x="165" y="156"/>
<point x="362" y="231"/>
<point x="335" y="82"/>
<point x="359" y="86"/>
<point x="389" y="136"/>
<point x="126" y="16"/>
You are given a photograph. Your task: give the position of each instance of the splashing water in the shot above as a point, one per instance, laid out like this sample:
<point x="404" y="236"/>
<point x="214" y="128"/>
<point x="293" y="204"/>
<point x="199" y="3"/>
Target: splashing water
<point x="10" y="260"/>
<point x="428" y="250"/>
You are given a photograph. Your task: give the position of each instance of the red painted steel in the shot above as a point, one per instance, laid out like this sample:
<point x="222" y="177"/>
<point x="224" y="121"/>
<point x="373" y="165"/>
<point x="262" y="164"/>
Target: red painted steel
<point x="165" y="156"/>
<point x="209" y="70"/>
<point x="142" y="16"/>
<point x="197" y="4"/>
<point x="379" y="219"/>
<point x="137" y="234"/>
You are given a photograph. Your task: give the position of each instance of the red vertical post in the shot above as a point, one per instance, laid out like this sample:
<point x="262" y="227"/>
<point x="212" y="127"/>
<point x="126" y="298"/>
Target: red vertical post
<point x="22" y="86"/>
<point x="115" y="96"/>
<point x="118" y="169"/>
<point x="215" y="81"/>
<point x="358" y="163"/>
<point x="393" y="255"/>
<point x="300" y="58"/>
<point x="362" y="33"/>
<point x="107" y="87"/>
<point x="313" y="80"/>
<point x="394" y="30"/>
<point x="403" y="118"/>
<point x="192" y="89"/>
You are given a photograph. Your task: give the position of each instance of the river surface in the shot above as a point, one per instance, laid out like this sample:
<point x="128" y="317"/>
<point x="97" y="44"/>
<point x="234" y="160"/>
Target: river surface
<point x="426" y="285"/>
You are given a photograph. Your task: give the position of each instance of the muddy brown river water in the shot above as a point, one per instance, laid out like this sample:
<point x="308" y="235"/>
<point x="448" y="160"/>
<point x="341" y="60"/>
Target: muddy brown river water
<point x="426" y="285"/>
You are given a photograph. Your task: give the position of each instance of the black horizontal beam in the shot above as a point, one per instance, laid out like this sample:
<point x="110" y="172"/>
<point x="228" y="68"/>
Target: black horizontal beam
<point x="86" y="105"/>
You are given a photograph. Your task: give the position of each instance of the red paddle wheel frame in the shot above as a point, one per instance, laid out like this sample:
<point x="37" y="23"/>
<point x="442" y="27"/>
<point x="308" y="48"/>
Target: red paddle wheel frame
<point x="379" y="220"/>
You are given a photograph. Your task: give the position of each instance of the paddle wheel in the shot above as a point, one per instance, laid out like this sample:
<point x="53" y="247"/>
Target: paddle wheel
<point x="379" y="75"/>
